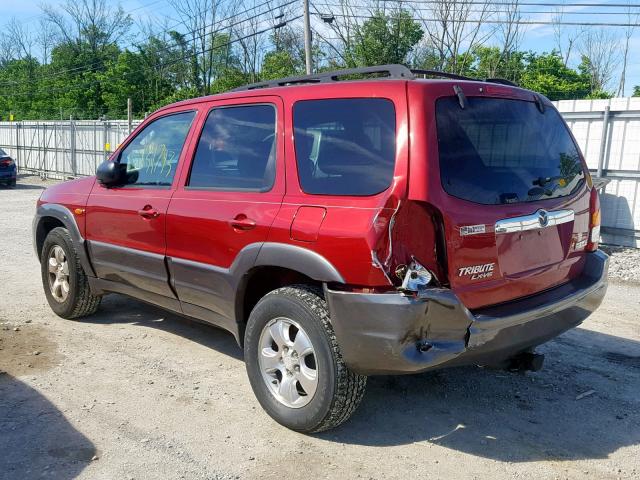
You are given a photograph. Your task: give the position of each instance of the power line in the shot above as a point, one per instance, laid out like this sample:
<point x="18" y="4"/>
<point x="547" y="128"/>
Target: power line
<point x="521" y="12"/>
<point x="525" y="3"/>
<point x="184" y="57"/>
<point x="512" y="22"/>
<point x="167" y="48"/>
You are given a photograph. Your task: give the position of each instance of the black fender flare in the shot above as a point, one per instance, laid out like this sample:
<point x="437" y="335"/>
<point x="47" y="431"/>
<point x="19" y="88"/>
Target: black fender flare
<point x="64" y="216"/>
<point x="272" y="254"/>
<point x="300" y="259"/>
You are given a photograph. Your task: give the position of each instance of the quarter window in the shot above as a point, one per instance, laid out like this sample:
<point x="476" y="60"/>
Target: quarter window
<point x="152" y="156"/>
<point x="345" y="146"/>
<point x="237" y="149"/>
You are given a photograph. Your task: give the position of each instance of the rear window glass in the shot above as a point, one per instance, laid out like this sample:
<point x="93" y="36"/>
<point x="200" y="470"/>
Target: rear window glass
<point x="345" y="146"/>
<point x="498" y="151"/>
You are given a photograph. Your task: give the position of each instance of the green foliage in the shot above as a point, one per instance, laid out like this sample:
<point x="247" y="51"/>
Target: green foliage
<point x="636" y="91"/>
<point x="279" y="64"/>
<point x="89" y="75"/>
<point x="385" y="38"/>
<point x="547" y="74"/>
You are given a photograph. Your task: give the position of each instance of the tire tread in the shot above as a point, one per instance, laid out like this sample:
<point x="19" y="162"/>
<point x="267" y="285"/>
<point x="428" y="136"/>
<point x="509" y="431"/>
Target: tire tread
<point x="350" y="387"/>
<point x="86" y="303"/>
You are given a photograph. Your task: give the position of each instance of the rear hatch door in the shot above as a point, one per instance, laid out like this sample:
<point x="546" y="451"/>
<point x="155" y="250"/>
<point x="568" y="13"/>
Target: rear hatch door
<point x="515" y="199"/>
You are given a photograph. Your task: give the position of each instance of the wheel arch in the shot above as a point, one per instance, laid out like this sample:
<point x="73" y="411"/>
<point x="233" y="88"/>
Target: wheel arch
<point x="51" y="215"/>
<point x="278" y="265"/>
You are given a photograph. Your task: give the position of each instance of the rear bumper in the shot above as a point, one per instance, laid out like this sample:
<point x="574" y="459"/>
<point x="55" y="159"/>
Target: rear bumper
<point x="391" y="333"/>
<point x="8" y="174"/>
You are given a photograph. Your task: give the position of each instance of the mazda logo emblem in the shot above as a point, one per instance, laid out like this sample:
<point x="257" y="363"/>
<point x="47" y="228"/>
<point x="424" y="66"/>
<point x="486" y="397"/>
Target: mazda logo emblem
<point x="543" y="218"/>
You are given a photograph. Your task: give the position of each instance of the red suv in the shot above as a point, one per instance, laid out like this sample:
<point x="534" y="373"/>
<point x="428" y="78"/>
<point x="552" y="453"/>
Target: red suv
<point x="341" y="228"/>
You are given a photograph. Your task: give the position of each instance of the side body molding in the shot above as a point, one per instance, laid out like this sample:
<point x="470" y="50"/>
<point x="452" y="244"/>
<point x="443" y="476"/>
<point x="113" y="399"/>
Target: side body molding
<point x="216" y="294"/>
<point x="64" y="215"/>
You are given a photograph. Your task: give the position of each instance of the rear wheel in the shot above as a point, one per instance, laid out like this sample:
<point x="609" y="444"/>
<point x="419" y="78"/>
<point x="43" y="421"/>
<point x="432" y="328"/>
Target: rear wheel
<point x="12" y="183"/>
<point x="64" y="281"/>
<point x="294" y="362"/>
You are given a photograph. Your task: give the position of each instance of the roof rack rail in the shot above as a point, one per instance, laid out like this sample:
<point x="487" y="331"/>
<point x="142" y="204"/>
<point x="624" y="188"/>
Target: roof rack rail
<point x="437" y="73"/>
<point x="391" y="71"/>
<point x="501" y="81"/>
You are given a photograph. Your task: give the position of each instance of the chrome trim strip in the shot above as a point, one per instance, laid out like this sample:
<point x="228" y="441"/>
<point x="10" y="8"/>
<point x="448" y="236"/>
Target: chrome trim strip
<point x="535" y="221"/>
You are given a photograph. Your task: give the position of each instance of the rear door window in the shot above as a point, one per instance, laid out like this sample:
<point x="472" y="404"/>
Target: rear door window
<point x="499" y="151"/>
<point x="237" y="149"/>
<point x="345" y="146"/>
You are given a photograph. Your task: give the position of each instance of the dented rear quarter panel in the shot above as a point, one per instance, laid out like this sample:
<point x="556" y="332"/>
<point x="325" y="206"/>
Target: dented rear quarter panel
<point x="354" y="229"/>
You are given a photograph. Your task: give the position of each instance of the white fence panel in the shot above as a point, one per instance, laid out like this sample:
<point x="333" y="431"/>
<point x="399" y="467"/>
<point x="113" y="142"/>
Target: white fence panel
<point x="62" y="149"/>
<point x="608" y="132"/>
<point x="617" y="122"/>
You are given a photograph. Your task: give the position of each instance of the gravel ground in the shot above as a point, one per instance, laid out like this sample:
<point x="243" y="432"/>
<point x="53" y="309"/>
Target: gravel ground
<point x="136" y="393"/>
<point x="624" y="263"/>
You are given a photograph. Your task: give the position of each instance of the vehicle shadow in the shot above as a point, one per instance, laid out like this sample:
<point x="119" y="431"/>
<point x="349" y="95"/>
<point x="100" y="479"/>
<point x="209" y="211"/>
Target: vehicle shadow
<point x="121" y="309"/>
<point x="35" y="438"/>
<point x="489" y="413"/>
<point x="513" y="417"/>
<point x="616" y="213"/>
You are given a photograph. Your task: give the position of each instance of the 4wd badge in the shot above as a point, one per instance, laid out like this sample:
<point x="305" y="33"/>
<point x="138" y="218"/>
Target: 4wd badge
<point x="476" y="272"/>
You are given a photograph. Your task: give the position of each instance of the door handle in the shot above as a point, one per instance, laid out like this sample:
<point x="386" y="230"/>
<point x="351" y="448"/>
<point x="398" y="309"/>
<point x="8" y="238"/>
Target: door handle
<point x="242" y="222"/>
<point x="148" y="212"/>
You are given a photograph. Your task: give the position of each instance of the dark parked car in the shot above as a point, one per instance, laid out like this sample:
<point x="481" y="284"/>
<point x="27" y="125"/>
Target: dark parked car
<point x="340" y="229"/>
<point x="8" y="169"/>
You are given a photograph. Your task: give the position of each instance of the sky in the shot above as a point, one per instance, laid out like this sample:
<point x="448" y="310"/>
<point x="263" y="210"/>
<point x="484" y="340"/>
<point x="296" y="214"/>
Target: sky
<point x="537" y="38"/>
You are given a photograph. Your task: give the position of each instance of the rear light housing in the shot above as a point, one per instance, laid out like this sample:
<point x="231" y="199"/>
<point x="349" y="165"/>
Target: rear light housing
<point x="594" y="221"/>
<point x="6" y="162"/>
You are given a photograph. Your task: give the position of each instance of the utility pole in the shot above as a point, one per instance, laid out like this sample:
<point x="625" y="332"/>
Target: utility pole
<point x="129" y="114"/>
<point x="307" y="37"/>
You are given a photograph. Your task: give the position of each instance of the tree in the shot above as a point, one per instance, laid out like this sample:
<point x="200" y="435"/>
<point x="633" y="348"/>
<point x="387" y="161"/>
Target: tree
<point x="547" y="74"/>
<point x="636" y="91"/>
<point x="452" y="27"/>
<point x="633" y="16"/>
<point x="492" y="62"/>
<point x="385" y="39"/>
<point x="279" y="64"/>
<point x="565" y="37"/>
<point x="600" y="50"/>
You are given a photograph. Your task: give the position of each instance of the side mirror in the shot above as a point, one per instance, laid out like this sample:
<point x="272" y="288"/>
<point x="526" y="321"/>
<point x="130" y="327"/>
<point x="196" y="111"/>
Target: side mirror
<point x="111" y="173"/>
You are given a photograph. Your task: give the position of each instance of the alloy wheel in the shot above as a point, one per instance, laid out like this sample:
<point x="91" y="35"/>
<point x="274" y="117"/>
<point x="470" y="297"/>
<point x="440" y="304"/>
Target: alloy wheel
<point x="58" y="274"/>
<point x="287" y="362"/>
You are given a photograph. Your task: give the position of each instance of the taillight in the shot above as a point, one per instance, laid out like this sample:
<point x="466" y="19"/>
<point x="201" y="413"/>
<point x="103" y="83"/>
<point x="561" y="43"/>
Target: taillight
<point x="5" y="162"/>
<point x="594" y="221"/>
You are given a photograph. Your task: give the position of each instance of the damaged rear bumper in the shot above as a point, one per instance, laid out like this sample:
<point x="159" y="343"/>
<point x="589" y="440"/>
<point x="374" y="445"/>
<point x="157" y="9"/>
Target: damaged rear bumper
<point x="391" y="333"/>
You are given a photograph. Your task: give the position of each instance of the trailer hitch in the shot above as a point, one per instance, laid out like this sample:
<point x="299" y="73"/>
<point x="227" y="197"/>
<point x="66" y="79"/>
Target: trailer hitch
<point x="525" y="361"/>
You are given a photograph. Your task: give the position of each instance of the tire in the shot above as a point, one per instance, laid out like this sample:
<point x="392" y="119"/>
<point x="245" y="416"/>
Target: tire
<point x="338" y="391"/>
<point x="12" y="183"/>
<point x="78" y="300"/>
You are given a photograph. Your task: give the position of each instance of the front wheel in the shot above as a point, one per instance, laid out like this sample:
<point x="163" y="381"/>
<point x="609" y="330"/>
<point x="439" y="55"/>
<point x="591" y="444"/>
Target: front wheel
<point x="294" y="363"/>
<point x="65" y="282"/>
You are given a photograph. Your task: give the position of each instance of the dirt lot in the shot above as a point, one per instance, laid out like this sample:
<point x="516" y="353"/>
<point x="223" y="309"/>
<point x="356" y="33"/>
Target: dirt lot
<point x="134" y="392"/>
